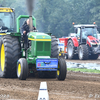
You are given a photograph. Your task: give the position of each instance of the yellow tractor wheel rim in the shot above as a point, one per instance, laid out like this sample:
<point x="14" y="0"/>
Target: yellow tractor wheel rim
<point x="2" y="57"/>
<point x="58" y="72"/>
<point x="19" y="69"/>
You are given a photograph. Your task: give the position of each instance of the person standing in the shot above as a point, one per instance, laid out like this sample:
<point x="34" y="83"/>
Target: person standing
<point x="25" y="30"/>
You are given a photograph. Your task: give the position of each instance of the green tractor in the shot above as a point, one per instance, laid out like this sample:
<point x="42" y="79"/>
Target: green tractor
<point x="41" y="55"/>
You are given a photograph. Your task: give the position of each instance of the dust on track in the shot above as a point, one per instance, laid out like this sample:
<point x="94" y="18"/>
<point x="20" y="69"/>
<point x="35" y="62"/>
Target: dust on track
<point x="77" y="86"/>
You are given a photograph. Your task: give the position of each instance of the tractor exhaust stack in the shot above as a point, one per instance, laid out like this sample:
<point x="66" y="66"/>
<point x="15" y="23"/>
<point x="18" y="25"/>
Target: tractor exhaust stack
<point x="30" y="7"/>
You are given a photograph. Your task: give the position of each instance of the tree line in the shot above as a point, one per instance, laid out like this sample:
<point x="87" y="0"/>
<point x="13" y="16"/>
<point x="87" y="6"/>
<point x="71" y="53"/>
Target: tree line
<point x="57" y="16"/>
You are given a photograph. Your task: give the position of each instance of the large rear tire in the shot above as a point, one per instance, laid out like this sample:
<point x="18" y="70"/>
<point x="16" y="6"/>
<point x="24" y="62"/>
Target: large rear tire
<point x="94" y="56"/>
<point x="71" y="50"/>
<point x="83" y="52"/>
<point x="54" y="47"/>
<point x="22" y="69"/>
<point x="54" y="54"/>
<point x="9" y="54"/>
<point x="62" y="69"/>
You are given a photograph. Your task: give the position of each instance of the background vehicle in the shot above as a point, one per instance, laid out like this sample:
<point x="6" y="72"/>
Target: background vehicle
<point x="7" y="20"/>
<point x="41" y="55"/>
<point x="61" y="49"/>
<point x="85" y="45"/>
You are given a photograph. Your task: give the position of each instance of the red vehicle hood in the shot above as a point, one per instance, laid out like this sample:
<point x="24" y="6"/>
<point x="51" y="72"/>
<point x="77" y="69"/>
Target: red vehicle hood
<point x="93" y="40"/>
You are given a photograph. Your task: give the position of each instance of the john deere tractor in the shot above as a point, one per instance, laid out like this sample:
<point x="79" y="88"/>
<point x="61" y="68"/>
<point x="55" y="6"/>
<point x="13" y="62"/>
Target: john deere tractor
<point x="41" y="55"/>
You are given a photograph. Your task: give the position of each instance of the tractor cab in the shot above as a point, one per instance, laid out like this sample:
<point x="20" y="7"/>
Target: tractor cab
<point x="84" y="31"/>
<point x="7" y="20"/>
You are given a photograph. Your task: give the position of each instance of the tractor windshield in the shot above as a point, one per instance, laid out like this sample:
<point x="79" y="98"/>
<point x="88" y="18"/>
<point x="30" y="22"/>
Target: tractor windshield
<point x="89" y="32"/>
<point x="7" y="21"/>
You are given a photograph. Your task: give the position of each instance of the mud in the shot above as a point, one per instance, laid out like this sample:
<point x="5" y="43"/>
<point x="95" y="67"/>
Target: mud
<point x="77" y="86"/>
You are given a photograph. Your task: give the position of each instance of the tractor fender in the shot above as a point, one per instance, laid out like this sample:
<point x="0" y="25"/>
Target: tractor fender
<point x="75" y="41"/>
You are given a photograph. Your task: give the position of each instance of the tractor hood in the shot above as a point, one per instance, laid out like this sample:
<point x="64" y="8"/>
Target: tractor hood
<point x="93" y="40"/>
<point x="37" y="36"/>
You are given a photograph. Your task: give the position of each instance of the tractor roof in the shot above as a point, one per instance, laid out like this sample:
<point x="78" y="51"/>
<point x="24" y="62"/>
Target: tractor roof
<point x="85" y="25"/>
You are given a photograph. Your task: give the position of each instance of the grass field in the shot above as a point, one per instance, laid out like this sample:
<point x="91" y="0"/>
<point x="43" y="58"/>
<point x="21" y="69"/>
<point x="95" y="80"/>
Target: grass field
<point x="83" y="70"/>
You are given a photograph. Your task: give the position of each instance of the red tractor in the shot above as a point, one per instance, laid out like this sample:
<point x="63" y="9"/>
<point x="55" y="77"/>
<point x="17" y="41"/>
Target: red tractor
<point x="85" y="45"/>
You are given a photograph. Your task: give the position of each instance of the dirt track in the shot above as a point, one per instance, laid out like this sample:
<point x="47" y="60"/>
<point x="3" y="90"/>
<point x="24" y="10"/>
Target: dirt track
<point x="85" y="61"/>
<point x="77" y="86"/>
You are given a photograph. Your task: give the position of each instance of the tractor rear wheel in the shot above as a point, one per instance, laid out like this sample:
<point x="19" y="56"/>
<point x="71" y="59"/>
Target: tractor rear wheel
<point x="22" y="69"/>
<point x="9" y="54"/>
<point x="54" y="54"/>
<point x="71" y="50"/>
<point x="62" y="69"/>
<point x="94" y="56"/>
<point x="83" y="52"/>
<point x="54" y="47"/>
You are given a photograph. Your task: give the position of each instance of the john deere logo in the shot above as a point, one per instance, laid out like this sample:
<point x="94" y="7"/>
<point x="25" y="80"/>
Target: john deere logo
<point x="43" y="36"/>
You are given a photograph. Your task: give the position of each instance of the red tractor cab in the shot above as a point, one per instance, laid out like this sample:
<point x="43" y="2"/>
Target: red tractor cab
<point x="85" y="45"/>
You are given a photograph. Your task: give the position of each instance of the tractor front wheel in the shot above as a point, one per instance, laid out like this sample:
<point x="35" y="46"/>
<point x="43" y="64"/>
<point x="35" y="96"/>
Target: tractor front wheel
<point x="22" y="69"/>
<point x="83" y="52"/>
<point x="62" y="69"/>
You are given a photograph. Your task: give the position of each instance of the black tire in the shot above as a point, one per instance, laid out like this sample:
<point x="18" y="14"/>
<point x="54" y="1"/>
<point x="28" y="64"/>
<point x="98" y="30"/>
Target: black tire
<point x="22" y="69"/>
<point x="12" y="52"/>
<point x="83" y="52"/>
<point x="54" y="54"/>
<point x="62" y="69"/>
<point x="71" y="50"/>
<point x="16" y="55"/>
<point x="54" y="47"/>
<point x="94" y="56"/>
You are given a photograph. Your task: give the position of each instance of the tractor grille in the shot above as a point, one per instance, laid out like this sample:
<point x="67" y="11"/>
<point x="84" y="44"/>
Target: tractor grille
<point x="39" y="46"/>
<point x="93" y="41"/>
<point x="43" y="46"/>
<point x="47" y="46"/>
<point x="97" y="41"/>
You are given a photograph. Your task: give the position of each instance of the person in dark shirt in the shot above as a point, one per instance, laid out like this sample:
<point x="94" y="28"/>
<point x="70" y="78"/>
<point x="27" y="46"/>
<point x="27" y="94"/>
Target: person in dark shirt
<point x="25" y="30"/>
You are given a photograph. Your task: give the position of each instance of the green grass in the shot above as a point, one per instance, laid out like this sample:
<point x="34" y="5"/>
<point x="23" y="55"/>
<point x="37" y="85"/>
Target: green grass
<point x="83" y="70"/>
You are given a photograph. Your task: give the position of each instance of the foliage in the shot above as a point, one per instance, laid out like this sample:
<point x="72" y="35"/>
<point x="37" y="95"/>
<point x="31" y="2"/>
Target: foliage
<point x="57" y="16"/>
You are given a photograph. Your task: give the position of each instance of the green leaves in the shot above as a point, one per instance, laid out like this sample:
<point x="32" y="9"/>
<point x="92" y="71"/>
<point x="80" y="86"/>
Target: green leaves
<point x="57" y="16"/>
